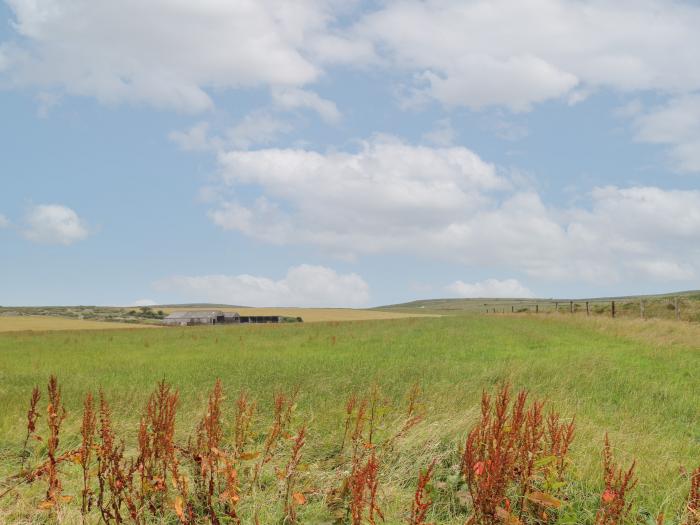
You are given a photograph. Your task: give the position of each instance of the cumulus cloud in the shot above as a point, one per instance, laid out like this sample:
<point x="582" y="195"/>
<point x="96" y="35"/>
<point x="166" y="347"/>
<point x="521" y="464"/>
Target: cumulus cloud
<point x="490" y="288"/>
<point x="294" y="98"/>
<point x="442" y="134"/>
<point x="481" y="53"/>
<point x="167" y="54"/>
<point x="257" y="128"/>
<point x="4" y="221"/>
<point x="448" y="204"/>
<point x="388" y="191"/>
<point x="196" y="138"/>
<point x="54" y="224"/>
<point x="516" y="54"/>
<point x="677" y="124"/>
<point x="304" y="285"/>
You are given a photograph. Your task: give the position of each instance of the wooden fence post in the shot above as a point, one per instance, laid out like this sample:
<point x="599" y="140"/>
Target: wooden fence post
<point x="537" y="308"/>
<point x="677" y="307"/>
<point x="641" y="308"/>
<point x="588" y="311"/>
<point x="571" y="307"/>
<point x="612" y="310"/>
<point x="556" y="307"/>
<point x="512" y="308"/>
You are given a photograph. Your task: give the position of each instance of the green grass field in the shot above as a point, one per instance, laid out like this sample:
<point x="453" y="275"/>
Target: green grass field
<point x="645" y="391"/>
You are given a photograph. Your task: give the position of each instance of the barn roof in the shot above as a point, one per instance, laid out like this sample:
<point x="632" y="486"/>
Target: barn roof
<point x="199" y="314"/>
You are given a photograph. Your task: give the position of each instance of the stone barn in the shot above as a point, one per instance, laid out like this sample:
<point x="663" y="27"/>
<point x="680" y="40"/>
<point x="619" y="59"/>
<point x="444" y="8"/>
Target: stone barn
<point x="195" y="318"/>
<point x="210" y="317"/>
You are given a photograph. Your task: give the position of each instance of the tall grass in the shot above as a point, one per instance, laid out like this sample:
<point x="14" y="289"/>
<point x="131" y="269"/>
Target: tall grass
<point x="514" y="465"/>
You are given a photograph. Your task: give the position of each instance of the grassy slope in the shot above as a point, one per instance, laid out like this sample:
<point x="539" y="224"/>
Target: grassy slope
<point x="661" y="306"/>
<point x="647" y="394"/>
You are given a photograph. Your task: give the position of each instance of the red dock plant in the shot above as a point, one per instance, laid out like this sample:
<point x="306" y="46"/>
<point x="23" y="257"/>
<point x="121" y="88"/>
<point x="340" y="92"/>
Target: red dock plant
<point x="349" y="410"/>
<point x="156" y="446"/>
<point x="693" y="506"/>
<point x="421" y="499"/>
<point x="87" y="433"/>
<point x="293" y="499"/>
<point x="614" y="506"/>
<point x="363" y="485"/>
<point x="206" y="452"/>
<point x="508" y="451"/>
<point x="245" y="410"/>
<point x="32" y="416"/>
<point x="114" y="475"/>
<point x="55" y="414"/>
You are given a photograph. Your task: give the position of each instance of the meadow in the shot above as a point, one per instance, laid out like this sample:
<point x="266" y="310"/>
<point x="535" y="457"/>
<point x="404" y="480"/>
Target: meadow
<point x="637" y="381"/>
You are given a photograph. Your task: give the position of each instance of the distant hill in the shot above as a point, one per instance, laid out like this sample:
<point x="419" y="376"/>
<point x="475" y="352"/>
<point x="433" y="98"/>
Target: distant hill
<point x="656" y="305"/>
<point x="199" y="305"/>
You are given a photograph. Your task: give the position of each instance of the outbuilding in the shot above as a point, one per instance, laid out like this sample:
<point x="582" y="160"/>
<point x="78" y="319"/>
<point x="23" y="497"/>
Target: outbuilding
<point x="195" y="317"/>
<point x="210" y="317"/>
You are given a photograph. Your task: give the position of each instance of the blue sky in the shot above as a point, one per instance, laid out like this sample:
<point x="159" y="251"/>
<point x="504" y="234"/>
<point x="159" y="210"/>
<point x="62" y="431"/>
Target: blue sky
<point x="328" y="153"/>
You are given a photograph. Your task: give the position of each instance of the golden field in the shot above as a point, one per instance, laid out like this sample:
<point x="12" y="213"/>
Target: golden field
<point x="312" y="315"/>
<point x="46" y="323"/>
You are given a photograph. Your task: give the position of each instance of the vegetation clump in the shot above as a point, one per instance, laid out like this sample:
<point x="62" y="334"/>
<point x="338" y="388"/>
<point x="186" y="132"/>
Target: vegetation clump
<point x="514" y="465"/>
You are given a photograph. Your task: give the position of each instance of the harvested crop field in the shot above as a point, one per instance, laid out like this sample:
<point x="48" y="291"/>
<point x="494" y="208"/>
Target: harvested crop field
<point x="315" y="315"/>
<point x="46" y="323"/>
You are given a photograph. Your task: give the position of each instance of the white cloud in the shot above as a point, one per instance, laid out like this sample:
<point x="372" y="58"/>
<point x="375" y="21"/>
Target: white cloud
<point x="196" y="138"/>
<point x="490" y="288"/>
<point x="144" y="302"/>
<point x="677" y="124"/>
<point x="54" y="224"/>
<point x="386" y="192"/>
<point x="168" y="54"/>
<point x="258" y="127"/>
<point x="294" y="98"/>
<point x="480" y="53"/>
<point x="448" y="204"/>
<point x="304" y="285"/>
<point x="516" y="54"/>
<point x="442" y="134"/>
<point x="4" y="221"/>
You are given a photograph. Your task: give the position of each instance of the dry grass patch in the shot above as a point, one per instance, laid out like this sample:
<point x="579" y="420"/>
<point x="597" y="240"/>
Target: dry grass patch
<point x="46" y="324"/>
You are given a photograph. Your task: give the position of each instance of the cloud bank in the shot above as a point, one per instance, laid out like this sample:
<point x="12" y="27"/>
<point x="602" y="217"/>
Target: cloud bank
<point x="492" y="288"/>
<point x="304" y="285"/>
<point x="478" y="54"/>
<point x="446" y="203"/>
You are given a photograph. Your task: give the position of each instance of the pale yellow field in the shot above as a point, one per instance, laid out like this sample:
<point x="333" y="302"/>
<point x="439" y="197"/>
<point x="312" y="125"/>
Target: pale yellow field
<point x="42" y="324"/>
<point x="313" y="315"/>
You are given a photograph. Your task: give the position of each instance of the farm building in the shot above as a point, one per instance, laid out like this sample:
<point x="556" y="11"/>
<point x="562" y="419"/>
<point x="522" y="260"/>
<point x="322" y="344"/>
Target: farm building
<point x="198" y="317"/>
<point x="195" y="318"/>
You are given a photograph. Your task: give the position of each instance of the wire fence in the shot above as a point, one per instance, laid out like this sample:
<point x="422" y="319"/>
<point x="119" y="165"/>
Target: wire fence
<point x="674" y="307"/>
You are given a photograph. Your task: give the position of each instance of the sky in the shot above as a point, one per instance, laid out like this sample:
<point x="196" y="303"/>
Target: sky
<point x="347" y="153"/>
